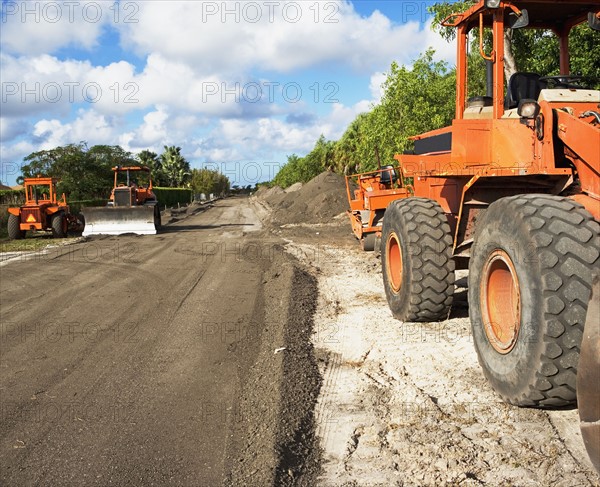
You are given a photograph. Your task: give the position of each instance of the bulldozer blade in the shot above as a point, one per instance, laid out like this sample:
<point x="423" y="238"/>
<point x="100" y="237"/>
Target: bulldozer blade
<point x="117" y="220"/>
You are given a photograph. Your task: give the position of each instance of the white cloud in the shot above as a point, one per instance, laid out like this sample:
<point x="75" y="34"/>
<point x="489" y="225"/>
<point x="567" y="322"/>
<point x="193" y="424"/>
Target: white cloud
<point x="9" y="129"/>
<point x="260" y="138"/>
<point x="375" y="85"/>
<point x="89" y="126"/>
<point x="195" y="88"/>
<point x="45" y="84"/>
<point x="224" y="38"/>
<point x="14" y="152"/>
<point x="151" y="132"/>
<point x="39" y="27"/>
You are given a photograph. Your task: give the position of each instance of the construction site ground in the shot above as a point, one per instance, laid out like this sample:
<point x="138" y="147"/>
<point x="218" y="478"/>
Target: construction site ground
<point x="250" y="343"/>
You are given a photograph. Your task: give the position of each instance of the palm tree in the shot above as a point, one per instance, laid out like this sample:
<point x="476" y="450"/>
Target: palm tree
<point x="175" y="168"/>
<point x="151" y="160"/>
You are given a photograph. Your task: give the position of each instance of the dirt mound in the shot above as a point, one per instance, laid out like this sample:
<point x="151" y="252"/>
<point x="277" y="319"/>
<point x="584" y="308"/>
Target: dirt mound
<point x="318" y="201"/>
<point x="293" y="187"/>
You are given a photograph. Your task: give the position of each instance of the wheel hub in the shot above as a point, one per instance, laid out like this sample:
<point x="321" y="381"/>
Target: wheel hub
<point x="501" y="302"/>
<point x="394" y="261"/>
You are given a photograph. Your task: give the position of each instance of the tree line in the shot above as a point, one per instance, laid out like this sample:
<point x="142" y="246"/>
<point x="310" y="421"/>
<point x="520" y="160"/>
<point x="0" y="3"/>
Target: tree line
<point x="86" y="172"/>
<point x="422" y="97"/>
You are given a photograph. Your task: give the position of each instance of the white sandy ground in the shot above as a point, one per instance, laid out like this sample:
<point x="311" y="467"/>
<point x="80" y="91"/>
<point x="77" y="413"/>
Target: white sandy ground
<point x="406" y="404"/>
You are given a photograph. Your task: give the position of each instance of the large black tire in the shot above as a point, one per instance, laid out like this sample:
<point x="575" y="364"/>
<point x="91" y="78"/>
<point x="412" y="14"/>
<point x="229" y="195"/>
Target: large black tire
<point x="530" y="278"/>
<point x="416" y="258"/>
<point x="59" y="225"/>
<point x="14" y="229"/>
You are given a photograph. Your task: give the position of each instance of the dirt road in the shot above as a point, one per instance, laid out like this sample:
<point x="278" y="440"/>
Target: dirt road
<point x="175" y="359"/>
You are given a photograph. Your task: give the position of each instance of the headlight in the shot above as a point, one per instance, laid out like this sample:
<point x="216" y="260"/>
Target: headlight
<point x="492" y="3"/>
<point x="528" y="109"/>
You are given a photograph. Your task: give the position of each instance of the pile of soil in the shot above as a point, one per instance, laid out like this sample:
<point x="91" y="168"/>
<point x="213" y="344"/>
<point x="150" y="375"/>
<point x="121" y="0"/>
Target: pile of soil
<point x="318" y="201"/>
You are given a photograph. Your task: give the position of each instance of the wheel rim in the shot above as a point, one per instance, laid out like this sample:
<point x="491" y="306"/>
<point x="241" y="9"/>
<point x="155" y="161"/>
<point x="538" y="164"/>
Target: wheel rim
<point x="501" y="302"/>
<point x="394" y="261"/>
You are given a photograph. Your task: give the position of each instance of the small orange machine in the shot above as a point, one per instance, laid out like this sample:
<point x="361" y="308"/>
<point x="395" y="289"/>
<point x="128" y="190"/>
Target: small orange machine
<point x="42" y="210"/>
<point x="374" y="191"/>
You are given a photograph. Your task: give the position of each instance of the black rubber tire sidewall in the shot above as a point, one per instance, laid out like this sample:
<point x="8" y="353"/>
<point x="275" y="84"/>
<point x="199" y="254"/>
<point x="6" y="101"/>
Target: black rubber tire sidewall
<point x="368" y="242"/>
<point x="398" y="301"/>
<point x="58" y="225"/>
<point x="508" y="373"/>
<point x="14" y="228"/>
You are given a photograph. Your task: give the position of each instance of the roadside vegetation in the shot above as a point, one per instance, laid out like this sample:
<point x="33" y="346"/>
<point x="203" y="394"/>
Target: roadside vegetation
<point x="85" y="172"/>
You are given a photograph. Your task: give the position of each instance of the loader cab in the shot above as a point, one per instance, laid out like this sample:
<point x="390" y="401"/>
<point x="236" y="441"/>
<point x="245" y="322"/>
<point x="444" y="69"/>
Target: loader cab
<point x="40" y="191"/>
<point x="132" y="176"/>
<point x="493" y="17"/>
<point x="513" y="122"/>
<point x="533" y="133"/>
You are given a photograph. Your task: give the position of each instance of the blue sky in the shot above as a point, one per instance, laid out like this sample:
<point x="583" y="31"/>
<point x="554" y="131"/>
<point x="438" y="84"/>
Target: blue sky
<point x="238" y="85"/>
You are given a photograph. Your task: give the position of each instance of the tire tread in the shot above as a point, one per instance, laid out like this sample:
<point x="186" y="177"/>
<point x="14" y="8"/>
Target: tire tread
<point x="432" y="286"/>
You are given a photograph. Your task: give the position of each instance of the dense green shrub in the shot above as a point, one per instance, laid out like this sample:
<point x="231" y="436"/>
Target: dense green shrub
<point x="173" y="196"/>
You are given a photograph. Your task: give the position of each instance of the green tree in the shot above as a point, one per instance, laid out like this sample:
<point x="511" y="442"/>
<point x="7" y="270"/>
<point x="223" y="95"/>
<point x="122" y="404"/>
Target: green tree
<point x="209" y="181"/>
<point x="289" y="173"/>
<point x="84" y="173"/>
<point x="303" y="169"/>
<point x="415" y="100"/>
<point x="175" y="168"/>
<point x="347" y="149"/>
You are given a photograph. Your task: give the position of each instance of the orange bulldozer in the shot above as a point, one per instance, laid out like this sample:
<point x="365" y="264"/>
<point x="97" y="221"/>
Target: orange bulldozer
<point x="132" y="208"/>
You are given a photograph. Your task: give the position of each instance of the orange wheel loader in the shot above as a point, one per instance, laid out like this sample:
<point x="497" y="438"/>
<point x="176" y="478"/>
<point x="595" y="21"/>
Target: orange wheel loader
<point x="511" y="191"/>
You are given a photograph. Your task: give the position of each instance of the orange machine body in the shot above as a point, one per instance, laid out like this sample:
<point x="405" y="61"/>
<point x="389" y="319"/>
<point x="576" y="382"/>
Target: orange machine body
<point x="369" y="194"/>
<point x="490" y="151"/>
<point x="41" y="203"/>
